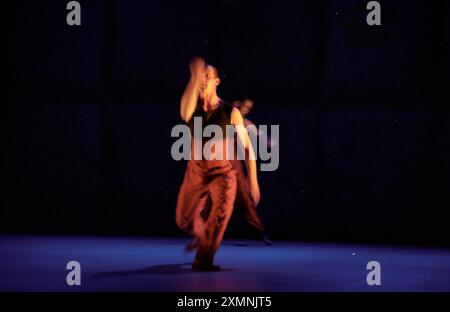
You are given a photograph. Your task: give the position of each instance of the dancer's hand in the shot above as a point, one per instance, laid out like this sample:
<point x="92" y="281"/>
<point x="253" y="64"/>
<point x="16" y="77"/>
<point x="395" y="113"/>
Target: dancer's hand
<point x="254" y="190"/>
<point x="190" y="96"/>
<point x="197" y="67"/>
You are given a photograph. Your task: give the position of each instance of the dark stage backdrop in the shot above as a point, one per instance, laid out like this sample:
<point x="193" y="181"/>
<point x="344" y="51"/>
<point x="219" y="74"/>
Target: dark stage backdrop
<point x="363" y="114"/>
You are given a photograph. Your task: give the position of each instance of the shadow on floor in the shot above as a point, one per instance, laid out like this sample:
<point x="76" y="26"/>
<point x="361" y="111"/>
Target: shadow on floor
<point x="165" y="269"/>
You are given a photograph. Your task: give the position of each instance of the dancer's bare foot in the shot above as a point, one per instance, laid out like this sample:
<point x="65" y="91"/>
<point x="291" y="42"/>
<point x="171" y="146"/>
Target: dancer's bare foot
<point x="192" y="245"/>
<point x="266" y="239"/>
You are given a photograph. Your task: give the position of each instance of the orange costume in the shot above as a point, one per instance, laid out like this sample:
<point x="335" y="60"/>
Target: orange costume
<point x="213" y="179"/>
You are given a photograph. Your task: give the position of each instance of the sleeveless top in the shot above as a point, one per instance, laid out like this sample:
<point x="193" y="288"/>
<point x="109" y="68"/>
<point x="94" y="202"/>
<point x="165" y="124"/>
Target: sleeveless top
<point x="221" y="116"/>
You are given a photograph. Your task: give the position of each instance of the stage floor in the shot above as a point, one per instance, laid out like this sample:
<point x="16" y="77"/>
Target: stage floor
<point x="38" y="263"/>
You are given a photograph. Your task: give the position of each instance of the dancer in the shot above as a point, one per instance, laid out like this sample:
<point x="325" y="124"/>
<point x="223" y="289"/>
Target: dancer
<point x="243" y="196"/>
<point x="215" y="178"/>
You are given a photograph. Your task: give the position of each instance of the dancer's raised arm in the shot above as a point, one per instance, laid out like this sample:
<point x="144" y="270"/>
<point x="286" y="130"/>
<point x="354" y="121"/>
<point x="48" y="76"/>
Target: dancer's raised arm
<point x="190" y="95"/>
